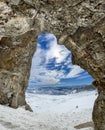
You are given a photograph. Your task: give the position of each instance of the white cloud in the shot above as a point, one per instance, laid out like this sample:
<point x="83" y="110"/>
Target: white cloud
<point x="48" y="77"/>
<point x="56" y="51"/>
<point x="85" y="75"/>
<point x="75" y="71"/>
<point x="37" y="58"/>
<point x="47" y="37"/>
<point x="43" y="75"/>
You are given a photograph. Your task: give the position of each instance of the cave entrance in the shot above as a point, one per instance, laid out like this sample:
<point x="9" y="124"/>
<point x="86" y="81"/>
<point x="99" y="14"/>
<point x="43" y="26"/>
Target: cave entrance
<point x="52" y="65"/>
<point x="55" y="83"/>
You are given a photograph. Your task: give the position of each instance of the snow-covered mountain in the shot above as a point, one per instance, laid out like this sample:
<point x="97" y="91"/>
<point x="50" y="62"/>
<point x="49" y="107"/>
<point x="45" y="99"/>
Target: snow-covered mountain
<point x="59" y="90"/>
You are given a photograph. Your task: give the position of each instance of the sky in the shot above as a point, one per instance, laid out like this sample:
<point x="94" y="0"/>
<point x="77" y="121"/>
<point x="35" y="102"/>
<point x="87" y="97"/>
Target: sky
<point x="52" y="65"/>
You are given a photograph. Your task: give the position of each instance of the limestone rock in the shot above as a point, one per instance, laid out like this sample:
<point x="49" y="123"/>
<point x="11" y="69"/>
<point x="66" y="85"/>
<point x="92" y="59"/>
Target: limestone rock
<point x="27" y="107"/>
<point x="78" y="24"/>
<point x="17" y="46"/>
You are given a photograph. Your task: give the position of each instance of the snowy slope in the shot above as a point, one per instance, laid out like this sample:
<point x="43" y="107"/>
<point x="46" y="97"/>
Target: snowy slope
<point x="50" y="112"/>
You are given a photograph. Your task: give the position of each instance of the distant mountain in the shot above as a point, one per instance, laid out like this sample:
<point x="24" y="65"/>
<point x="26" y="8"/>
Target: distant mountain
<point x="60" y="90"/>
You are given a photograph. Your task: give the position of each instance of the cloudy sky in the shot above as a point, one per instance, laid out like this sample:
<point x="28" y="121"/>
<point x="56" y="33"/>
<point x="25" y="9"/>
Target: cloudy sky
<point x="52" y="65"/>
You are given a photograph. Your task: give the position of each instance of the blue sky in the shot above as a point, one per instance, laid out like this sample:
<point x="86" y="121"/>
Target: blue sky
<point x="52" y="65"/>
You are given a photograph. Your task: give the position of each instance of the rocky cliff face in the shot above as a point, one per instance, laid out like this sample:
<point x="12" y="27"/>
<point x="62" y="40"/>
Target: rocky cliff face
<point x="17" y="45"/>
<point x="78" y="24"/>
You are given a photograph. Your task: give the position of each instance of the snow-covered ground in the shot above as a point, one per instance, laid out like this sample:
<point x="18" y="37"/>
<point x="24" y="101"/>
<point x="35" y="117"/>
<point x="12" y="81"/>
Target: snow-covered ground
<point x="50" y="112"/>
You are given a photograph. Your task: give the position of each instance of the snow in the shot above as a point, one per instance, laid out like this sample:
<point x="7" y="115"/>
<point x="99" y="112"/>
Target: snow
<point x="50" y="112"/>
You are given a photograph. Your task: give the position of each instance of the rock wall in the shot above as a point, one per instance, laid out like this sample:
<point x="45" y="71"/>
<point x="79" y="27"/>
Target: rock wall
<point x="78" y="24"/>
<point x="17" y="45"/>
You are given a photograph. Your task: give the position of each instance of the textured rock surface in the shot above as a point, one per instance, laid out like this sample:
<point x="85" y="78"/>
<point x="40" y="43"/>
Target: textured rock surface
<point x="78" y="24"/>
<point x="17" y="45"/>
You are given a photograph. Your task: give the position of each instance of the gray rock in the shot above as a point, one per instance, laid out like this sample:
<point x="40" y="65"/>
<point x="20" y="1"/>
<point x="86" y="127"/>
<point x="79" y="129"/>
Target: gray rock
<point x="78" y="24"/>
<point x="27" y="107"/>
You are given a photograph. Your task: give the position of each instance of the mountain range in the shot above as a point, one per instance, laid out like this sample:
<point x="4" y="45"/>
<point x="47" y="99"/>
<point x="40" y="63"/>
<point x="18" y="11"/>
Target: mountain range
<point x="60" y="90"/>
